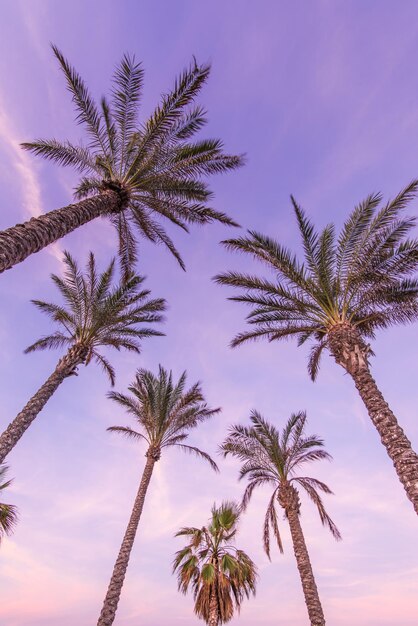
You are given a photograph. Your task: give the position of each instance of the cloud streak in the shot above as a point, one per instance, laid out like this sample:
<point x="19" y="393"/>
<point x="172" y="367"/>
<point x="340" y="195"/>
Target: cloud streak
<point x="30" y="187"/>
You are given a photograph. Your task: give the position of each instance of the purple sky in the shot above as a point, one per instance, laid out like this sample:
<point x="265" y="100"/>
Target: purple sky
<point x="322" y="96"/>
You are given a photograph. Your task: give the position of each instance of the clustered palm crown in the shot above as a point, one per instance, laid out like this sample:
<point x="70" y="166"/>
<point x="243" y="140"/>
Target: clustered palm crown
<point x="213" y="566"/>
<point x="365" y="278"/>
<point x="164" y="410"/>
<point x="8" y="512"/>
<point x="269" y="457"/>
<point x="96" y="313"/>
<point x="155" y="166"/>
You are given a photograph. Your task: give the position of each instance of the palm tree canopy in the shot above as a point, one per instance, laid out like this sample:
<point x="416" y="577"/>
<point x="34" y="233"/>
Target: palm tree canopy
<point x="274" y="458"/>
<point x="211" y="564"/>
<point x="97" y="313"/>
<point x="165" y="411"/>
<point x="155" y="165"/>
<point x="8" y="512"/>
<point x="365" y="278"/>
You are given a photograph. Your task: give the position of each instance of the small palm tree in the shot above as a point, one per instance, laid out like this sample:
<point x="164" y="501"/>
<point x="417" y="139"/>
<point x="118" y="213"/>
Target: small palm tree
<point x="165" y="412"/>
<point x="133" y="173"/>
<point x="94" y="315"/>
<point x="8" y="512"/>
<point x="219" y="574"/>
<point x="269" y="457"/>
<point x="346" y="290"/>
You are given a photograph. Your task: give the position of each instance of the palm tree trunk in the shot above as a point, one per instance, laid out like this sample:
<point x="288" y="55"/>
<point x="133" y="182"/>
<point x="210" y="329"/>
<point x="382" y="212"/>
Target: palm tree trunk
<point x="397" y="444"/>
<point x="351" y="353"/>
<point x="114" y="590"/>
<point x="313" y="603"/>
<point x="213" y="609"/>
<point x="22" y="240"/>
<point x="65" y="367"/>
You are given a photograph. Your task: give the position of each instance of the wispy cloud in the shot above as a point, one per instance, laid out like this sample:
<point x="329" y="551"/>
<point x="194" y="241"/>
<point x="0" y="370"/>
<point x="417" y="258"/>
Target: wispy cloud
<point x="31" y="189"/>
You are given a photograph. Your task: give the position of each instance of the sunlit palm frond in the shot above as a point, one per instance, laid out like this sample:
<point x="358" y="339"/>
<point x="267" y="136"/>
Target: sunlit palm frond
<point x="213" y="567"/>
<point x="8" y="512"/>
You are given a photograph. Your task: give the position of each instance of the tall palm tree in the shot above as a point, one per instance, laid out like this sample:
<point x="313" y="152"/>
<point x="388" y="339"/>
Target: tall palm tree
<point x="94" y="315"/>
<point x="164" y="412"/>
<point x="219" y="574"/>
<point x="8" y="512"/>
<point x="132" y="173"/>
<point x="269" y="457"/>
<point x="346" y="289"/>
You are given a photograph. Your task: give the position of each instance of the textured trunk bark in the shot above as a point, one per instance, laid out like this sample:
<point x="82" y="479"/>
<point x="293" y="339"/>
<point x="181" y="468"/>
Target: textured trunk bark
<point x="315" y="612"/>
<point x="65" y="367"/>
<point x="22" y="240"/>
<point x="351" y="353"/>
<point x="213" y="610"/>
<point x="114" y="590"/>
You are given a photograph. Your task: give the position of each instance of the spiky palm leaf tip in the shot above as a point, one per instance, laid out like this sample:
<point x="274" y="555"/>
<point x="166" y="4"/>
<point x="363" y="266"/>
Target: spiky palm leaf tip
<point x="270" y="457"/>
<point x="155" y="165"/>
<point x="96" y="311"/>
<point x="365" y="278"/>
<point x="8" y="512"/>
<point x="165" y="411"/>
<point x="213" y="567"/>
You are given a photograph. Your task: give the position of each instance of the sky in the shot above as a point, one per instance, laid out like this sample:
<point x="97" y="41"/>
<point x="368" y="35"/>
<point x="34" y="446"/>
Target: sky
<point x="322" y="97"/>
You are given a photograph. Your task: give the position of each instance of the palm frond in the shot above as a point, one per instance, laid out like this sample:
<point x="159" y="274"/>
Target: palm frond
<point x="62" y="153"/>
<point x="360" y="278"/>
<point x="310" y="486"/>
<point x="96" y="313"/>
<point x="128" y="83"/>
<point x="165" y="410"/>
<point x="272" y="457"/>
<point x="199" y="453"/>
<point x="8" y="512"/>
<point x="88" y="114"/>
<point x="128" y="432"/>
<point x="213" y="567"/>
<point x="156" y="166"/>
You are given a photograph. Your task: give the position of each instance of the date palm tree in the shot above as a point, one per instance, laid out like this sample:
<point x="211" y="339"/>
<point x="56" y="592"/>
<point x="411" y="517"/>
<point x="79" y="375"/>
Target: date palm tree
<point x="164" y="411"/>
<point x="132" y="173"/>
<point x="274" y="458"/>
<point x="346" y="289"/>
<point x="95" y="314"/>
<point x="8" y="512"/>
<point x="220" y="575"/>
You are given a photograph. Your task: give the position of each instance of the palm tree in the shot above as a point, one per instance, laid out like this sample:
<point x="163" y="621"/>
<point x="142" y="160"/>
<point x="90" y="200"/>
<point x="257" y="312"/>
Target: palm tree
<point x="345" y="290"/>
<point x="132" y="173"/>
<point x="219" y="574"/>
<point x="165" y="412"/>
<point x="94" y="315"/>
<point x="272" y="458"/>
<point x="8" y="512"/>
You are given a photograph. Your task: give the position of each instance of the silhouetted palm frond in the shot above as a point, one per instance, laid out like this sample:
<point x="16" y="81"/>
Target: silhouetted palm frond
<point x="164" y="410"/>
<point x="365" y="277"/>
<point x="154" y="164"/>
<point x="272" y="457"/>
<point x="98" y="312"/>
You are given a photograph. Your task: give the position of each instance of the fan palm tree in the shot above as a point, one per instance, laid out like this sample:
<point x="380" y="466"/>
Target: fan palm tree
<point x="346" y="289"/>
<point x="272" y="458"/>
<point x="165" y="412"/>
<point x="219" y="574"/>
<point x="8" y="512"/>
<point x="94" y="315"/>
<point x="132" y="173"/>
